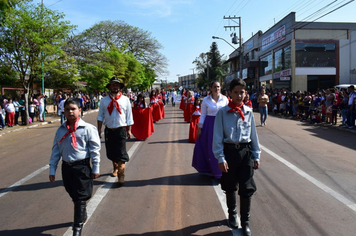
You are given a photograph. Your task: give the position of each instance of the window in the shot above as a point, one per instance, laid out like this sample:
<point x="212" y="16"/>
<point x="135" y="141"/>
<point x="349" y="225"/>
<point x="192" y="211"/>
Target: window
<point x="266" y="65"/>
<point x="315" y="54"/>
<point x="278" y="60"/>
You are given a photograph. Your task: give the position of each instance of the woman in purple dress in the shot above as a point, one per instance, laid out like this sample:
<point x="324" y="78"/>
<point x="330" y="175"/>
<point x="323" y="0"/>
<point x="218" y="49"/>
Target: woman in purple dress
<point x="203" y="158"/>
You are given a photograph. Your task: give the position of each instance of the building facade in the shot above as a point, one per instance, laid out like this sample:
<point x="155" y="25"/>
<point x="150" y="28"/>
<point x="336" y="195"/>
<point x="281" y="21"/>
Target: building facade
<point x="187" y="81"/>
<point x="298" y="55"/>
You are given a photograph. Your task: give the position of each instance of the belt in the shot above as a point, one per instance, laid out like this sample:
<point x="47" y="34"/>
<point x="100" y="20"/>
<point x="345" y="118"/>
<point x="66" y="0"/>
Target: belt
<point x="84" y="161"/>
<point x="236" y="145"/>
<point x="122" y="127"/>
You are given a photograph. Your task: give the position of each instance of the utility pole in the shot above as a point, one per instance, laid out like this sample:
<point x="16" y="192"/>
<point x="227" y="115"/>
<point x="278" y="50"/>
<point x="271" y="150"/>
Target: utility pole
<point x="234" y="39"/>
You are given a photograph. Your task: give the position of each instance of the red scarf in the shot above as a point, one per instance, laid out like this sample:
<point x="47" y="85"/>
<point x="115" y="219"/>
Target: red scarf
<point x="114" y="103"/>
<point x="70" y="131"/>
<point x="236" y="108"/>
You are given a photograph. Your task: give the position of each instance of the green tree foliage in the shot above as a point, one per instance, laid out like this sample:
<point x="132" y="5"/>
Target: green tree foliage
<point x="29" y="35"/>
<point x="138" y="46"/>
<point x="210" y="66"/>
<point x="7" y="75"/>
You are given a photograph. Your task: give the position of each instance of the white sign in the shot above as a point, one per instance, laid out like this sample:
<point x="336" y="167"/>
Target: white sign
<point x="272" y="39"/>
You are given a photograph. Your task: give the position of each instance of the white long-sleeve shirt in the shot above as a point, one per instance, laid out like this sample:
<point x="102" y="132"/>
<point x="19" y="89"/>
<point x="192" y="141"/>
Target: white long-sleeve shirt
<point x="88" y="146"/>
<point x="116" y="120"/>
<point x="209" y="107"/>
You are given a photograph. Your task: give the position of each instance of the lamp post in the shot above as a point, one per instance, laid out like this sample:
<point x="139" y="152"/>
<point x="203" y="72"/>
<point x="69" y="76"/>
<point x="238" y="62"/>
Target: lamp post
<point x="214" y="37"/>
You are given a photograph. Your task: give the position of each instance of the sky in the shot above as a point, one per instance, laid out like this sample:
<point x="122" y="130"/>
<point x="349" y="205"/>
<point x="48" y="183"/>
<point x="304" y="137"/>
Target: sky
<point x="185" y="27"/>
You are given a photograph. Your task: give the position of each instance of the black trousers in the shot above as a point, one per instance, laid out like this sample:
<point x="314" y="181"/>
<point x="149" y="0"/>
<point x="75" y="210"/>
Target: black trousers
<point x="115" y="144"/>
<point x="240" y="173"/>
<point x="77" y="180"/>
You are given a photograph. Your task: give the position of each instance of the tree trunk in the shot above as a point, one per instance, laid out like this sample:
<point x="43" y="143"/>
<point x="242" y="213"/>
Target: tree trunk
<point x="26" y="106"/>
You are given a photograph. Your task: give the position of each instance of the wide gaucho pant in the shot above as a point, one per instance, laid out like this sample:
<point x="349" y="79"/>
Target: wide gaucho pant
<point x="115" y="144"/>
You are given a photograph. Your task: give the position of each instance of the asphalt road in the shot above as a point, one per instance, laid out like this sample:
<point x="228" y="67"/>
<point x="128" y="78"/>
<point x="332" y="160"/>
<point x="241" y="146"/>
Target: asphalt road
<point x="306" y="185"/>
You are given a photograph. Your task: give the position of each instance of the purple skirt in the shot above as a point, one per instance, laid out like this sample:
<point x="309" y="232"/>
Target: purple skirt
<point x="204" y="160"/>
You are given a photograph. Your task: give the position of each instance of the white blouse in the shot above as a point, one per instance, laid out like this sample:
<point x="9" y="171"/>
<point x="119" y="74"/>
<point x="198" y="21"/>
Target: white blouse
<point x="209" y="107"/>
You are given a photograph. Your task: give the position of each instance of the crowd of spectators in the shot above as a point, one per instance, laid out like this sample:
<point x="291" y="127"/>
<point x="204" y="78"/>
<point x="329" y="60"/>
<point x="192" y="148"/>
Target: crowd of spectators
<point x="322" y="106"/>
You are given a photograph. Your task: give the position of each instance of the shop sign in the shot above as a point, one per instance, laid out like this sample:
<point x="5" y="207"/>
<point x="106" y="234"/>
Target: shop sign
<point x="285" y="78"/>
<point x="272" y="39"/>
<point x="282" y="73"/>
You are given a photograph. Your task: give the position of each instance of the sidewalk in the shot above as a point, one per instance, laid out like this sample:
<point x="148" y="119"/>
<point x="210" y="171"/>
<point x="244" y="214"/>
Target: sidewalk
<point x="49" y="119"/>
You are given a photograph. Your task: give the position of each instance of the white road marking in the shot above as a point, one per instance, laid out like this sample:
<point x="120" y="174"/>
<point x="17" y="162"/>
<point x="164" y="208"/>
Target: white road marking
<point x="316" y="182"/>
<point x="18" y="183"/>
<point x="102" y="191"/>
<point x="222" y="200"/>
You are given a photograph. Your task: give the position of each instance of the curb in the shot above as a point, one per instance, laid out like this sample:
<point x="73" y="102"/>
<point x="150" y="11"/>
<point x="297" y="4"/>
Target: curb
<point x="40" y="124"/>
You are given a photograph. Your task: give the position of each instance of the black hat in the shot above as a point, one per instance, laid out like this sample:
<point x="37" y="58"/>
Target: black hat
<point x="352" y="87"/>
<point x="115" y="80"/>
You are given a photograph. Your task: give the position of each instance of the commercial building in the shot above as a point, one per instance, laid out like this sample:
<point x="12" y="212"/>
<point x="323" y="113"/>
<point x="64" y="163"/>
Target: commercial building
<point x="298" y="55"/>
<point x="187" y="81"/>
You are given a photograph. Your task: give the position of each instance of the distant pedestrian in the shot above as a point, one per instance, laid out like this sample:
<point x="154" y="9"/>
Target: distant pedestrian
<point x="195" y="117"/>
<point x="76" y="142"/>
<point x="237" y="149"/>
<point x="174" y="97"/>
<point x="262" y="101"/>
<point x="61" y="108"/>
<point x="10" y="113"/>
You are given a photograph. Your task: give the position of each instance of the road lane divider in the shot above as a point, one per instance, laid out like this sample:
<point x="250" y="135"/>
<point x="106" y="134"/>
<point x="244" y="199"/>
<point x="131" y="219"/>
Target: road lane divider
<point x="103" y="190"/>
<point x="311" y="179"/>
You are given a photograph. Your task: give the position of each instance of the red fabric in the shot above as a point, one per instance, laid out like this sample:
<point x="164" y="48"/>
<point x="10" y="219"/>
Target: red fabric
<point x="161" y="106"/>
<point x="249" y="103"/>
<point x="193" y="128"/>
<point x="70" y="131"/>
<point x="10" y="118"/>
<point x="182" y="101"/>
<point x="236" y="108"/>
<point x="143" y="123"/>
<point x="156" y="111"/>
<point x="114" y="103"/>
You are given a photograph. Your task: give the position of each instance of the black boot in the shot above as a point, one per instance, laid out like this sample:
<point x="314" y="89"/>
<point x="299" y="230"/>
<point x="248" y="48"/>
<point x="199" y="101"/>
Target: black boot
<point x="231" y="205"/>
<point x="245" y="205"/>
<point x="80" y="216"/>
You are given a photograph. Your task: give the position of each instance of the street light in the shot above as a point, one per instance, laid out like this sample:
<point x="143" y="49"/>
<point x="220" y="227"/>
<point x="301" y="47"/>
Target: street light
<point x="214" y="37"/>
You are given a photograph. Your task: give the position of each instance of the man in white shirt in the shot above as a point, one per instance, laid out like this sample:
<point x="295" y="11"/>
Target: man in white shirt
<point x="116" y="114"/>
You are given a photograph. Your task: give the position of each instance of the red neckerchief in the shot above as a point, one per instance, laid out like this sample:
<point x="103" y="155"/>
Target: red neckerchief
<point x="197" y="108"/>
<point x="70" y="131"/>
<point x="114" y="103"/>
<point x="236" y="108"/>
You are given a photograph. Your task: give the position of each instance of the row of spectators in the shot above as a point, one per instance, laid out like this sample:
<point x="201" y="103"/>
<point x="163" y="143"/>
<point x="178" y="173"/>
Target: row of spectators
<point x="321" y="106"/>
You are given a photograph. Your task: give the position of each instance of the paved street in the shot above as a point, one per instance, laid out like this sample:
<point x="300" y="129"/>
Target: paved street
<point x="306" y="185"/>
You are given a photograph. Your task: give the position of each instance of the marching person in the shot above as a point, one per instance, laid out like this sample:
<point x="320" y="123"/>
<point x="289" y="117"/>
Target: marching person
<point x="155" y="107"/>
<point x="143" y="121"/>
<point x="76" y="142"/>
<point x="203" y="156"/>
<point x="195" y="117"/>
<point x="115" y="113"/>
<point x="236" y="146"/>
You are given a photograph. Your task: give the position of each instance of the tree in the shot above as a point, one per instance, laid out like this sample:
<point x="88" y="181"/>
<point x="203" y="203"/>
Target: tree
<point x="127" y="38"/>
<point x="210" y="66"/>
<point x="29" y="35"/>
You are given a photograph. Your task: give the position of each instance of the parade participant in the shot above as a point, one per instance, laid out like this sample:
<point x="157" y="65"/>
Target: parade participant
<point x="183" y="98"/>
<point x="263" y="100"/>
<point x="143" y="121"/>
<point x="163" y="93"/>
<point x="247" y="100"/>
<point x="195" y="117"/>
<point x="160" y="103"/>
<point x="189" y="106"/>
<point x="236" y="147"/>
<point x="203" y="157"/>
<point x="156" y="110"/>
<point x="76" y="142"/>
<point x="115" y="113"/>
